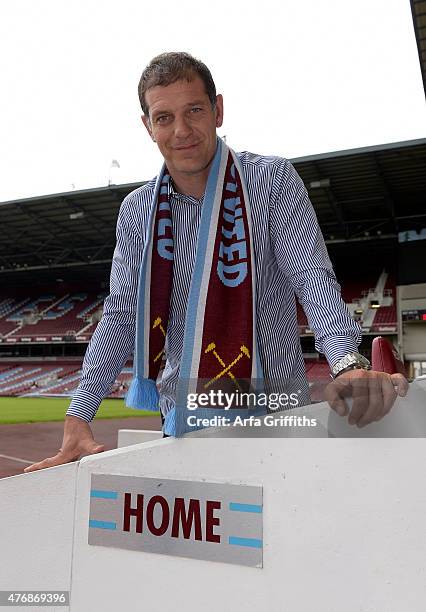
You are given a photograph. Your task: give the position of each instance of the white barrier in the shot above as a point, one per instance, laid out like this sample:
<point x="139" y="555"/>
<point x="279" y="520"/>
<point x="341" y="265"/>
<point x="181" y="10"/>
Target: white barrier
<point x="37" y="530"/>
<point x="342" y="523"/>
<point x="126" y="437"/>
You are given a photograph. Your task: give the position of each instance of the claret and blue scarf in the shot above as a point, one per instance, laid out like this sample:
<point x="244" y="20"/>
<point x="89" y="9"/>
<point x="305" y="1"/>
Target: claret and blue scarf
<point x="220" y="329"/>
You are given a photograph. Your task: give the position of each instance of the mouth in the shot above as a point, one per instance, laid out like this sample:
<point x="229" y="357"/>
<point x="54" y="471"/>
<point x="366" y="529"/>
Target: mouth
<point x="186" y="147"/>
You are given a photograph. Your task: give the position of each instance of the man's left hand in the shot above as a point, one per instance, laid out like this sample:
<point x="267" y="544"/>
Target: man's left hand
<point x="373" y="393"/>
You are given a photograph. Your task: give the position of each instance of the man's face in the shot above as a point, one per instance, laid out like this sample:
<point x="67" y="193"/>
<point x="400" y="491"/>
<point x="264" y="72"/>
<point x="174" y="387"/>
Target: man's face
<point x="183" y="124"/>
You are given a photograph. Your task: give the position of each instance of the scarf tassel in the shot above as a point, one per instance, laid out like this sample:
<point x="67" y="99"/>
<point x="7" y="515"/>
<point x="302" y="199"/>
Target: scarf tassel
<point x="169" y="426"/>
<point x="143" y="394"/>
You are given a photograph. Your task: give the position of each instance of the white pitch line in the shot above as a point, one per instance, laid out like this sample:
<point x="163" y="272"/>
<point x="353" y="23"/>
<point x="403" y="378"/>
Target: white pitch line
<point x="16" y="459"/>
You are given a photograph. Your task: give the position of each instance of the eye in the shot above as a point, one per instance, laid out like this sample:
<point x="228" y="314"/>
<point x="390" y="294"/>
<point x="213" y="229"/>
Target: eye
<point x="196" y="109"/>
<point x="162" y="119"/>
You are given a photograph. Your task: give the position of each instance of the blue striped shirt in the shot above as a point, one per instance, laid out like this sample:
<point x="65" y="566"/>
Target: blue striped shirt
<point x="291" y="259"/>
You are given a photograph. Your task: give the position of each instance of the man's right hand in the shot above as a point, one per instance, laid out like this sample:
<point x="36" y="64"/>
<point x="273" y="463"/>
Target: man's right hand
<point x="78" y="440"/>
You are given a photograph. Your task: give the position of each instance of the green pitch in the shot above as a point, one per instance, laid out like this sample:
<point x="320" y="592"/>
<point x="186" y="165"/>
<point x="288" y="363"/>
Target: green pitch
<point x="38" y="409"/>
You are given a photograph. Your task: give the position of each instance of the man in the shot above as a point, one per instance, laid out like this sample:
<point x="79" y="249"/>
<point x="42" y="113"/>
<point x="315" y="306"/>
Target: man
<point x="181" y="112"/>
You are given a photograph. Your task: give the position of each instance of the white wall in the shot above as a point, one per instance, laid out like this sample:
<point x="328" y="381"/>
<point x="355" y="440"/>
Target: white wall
<point x="343" y="524"/>
<point x="36" y="531"/>
<point x="136" y="436"/>
<point x="343" y="529"/>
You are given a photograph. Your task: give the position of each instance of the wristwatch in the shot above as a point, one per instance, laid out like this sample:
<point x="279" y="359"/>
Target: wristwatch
<point x="351" y="361"/>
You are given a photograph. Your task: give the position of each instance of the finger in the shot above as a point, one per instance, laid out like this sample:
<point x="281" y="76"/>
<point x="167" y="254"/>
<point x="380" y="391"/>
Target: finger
<point x="88" y="447"/>
<point x="389" y="395"/>
<point x="334" y="394"/>
<point x="375" y="405"/>
<point x="58" y="459"/>
<point x="359" y="385"/>
<point x="91" y="447"/>
<point x="401" y="383"/>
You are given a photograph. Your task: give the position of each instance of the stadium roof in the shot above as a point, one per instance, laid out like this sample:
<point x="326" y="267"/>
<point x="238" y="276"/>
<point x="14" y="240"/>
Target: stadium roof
<point x="418" y="10"/>
<point x="359" y="194"/>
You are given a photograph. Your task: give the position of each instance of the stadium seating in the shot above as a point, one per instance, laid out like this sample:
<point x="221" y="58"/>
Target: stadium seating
<point x="87" y="332"/>
<point x="25" y="377"/>
<point x="59" y="378"/>
<point x="64" y="385"/>
<point x="50" y="317"/>
<point x="302" y="321"/>
<point x="386" y="315"/>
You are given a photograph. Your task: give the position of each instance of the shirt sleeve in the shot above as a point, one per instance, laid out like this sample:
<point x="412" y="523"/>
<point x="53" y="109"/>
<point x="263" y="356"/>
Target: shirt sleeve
<point x="114" y="337"/>
<point x="301" y="254"/>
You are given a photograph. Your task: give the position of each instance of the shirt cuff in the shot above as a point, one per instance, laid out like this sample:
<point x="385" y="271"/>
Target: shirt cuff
<point x="336" y="347"/>
<point x="84" y="405"/>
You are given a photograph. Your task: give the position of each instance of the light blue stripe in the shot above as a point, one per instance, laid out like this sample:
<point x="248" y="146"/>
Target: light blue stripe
<point x="194" y="295"/>
<point x="104" y="494"/>
<point x="141" y="343"/>
<point x="197" y="275"/>
<point x="251" y="542"/>
<point x="102" y="524"/>
<point x="259" y="386"/>
<point x="245" y="507"/>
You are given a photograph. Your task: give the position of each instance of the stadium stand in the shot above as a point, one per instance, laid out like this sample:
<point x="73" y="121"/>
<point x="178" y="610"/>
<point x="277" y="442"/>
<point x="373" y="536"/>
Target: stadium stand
<point x="386" y="319"/>
<point x="87" y="331"/>
<point x="373" y="303"/>
<point x="61" y="378"/>
<point x="27" y="377"/>
<point x="64" y="385"/>
<point x="34" y="375"/>
<point x="48" y="317"/>
<point x="302" y="321"/>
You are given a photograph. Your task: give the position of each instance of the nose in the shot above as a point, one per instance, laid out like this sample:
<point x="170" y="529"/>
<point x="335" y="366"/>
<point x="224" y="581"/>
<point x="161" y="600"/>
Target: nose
<point x="182" y="127"/>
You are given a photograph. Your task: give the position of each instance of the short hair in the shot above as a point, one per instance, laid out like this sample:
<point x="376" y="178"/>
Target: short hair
<point x="170" y="67"/>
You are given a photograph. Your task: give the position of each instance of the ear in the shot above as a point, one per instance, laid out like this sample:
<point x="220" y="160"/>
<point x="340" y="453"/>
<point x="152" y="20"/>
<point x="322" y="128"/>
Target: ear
<point x="147" y="124"/>
<point x="219" y="110"/>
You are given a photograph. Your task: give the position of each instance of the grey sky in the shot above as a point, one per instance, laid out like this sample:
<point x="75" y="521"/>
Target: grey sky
<point x="298" y="78"/>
